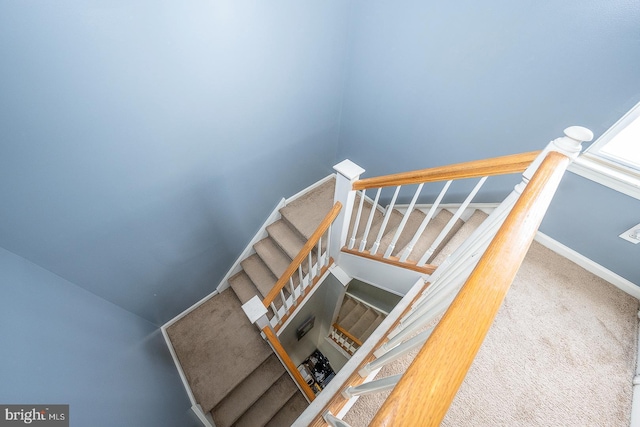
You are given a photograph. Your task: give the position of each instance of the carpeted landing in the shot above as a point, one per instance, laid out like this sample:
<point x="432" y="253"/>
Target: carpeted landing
<point x="232" y="371"/>
<point x="561" y="352"/>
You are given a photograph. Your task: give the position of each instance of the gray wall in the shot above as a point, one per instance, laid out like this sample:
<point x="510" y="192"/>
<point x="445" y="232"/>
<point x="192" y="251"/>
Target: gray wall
<point x="433" y="83"/>
<point x="143" y="143"/>
<point x="63" y="345"/>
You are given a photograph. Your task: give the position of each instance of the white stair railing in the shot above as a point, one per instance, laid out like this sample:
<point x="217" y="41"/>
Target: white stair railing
<point x="445" y="282"/>
<point x="305" y="281"/>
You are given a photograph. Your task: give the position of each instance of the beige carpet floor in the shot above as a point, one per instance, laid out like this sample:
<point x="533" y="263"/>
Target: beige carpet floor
<point x="561" y="352"/>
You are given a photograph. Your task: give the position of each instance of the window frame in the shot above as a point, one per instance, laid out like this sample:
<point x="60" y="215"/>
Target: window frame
<point x="601" y="168"/>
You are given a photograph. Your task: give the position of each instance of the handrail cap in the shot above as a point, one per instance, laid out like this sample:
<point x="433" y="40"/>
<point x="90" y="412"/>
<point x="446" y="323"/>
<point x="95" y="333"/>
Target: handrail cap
<point x="579" y="133"/>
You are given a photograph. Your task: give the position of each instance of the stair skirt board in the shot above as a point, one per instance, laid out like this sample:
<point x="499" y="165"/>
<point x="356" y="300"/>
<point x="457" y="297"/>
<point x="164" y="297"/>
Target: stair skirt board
<point x="261" y="234"/>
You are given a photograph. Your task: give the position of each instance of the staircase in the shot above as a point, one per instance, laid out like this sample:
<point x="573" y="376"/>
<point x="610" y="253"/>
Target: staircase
<point x="286" y="237"/>
<point x="260" y="392"/>
<point x="355" y="323"/>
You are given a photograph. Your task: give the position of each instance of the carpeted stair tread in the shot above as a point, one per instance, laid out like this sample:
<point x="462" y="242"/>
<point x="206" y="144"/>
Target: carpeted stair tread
<point x="247" y="392"/>
<point x="259" y="274"/>
<point x="289" y="412"/>
<point x="376" y="322"/>
<point x="353" y="316"/>
<point x="348" y="304"/>
<point x="269" y="403"/>
<point x="274" y="258"/>
<point x="308" y="211"/>
<point x="363" y="323"/>
<point x="410" y="228"/>
<point x="217" y="347"/>
<point x="463" y="233"/>
<point x="436" y="225"/>
<point x="287" y="238"/>
<point x="243" y="286"/>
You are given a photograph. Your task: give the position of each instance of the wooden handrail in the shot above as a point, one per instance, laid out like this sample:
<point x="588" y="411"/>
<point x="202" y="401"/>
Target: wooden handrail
<point x="487" y="167"/>
<point x="293" y="369"/>
<point x="302" y="255"/>
<point x="425" y="392"/>
<point x="393" y="260"/>
<point x="347" y="334"/>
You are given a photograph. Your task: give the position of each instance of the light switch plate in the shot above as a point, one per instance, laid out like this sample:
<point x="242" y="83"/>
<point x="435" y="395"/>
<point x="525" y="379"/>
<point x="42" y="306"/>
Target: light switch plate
<point x="627" y="235"/>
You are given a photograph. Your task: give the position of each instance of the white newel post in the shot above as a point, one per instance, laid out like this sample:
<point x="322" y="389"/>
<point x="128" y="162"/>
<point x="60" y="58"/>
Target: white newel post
<point x="256" y="312"/>
<point x="570" y="145"/>
<point x="347" y="173"/>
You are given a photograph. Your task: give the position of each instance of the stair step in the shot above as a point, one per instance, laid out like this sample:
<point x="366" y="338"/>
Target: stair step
<point x="289" y="412"/>
<point x="436" y="225"/>
<point x="269" y="403"/>
<point x="259" y="273"/>
<point x="363" y="323"/>
<point x="243" y="286"/>
<point x="273" y="257"/>
<point x="204" y="340"/>
<point x="463" y="233"/>
<point x="247" y="392"/>
<point x="307" y="212"/>
<point x="372" y="327"/>
<point x="353" y="316"/>
<point x="410" y="228"/>
<point x="286" y="238"/>
<point x="348" y="304"/>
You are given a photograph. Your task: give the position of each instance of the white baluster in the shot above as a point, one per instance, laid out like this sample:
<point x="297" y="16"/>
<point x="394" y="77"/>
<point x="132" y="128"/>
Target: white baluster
<point x="334" y="421"/>
<point x="376" y="386"/>
<point x="374" y="208"/>
<point x="284" y="301"/>
<point x="301" y="284"/>
<point x="451" y="223"/>
<point x="399" y="351"/>
<point x="405" y="218"/>
<point x="327" y="254"/>
<point x="407" y="251"/>
<point x="293" y="291"/>
<point x="385" y="221"/>
<point x="275" y="312"/>
<point x="352" y="242"/>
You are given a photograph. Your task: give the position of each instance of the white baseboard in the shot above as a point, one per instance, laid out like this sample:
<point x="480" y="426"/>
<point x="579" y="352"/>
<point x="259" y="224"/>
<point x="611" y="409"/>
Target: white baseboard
<point x="589" y="265"/>
<point x="248" y="250"/>
<point x="309" y="188"/>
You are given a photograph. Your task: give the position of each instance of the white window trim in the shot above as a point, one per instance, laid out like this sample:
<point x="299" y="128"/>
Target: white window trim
<point x="598" y="168"/>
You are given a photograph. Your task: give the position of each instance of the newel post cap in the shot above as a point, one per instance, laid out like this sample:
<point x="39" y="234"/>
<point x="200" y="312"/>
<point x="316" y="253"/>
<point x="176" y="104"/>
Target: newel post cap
<point x="579" y="133"/>
<point x="348" y="169"/>
<point x="571" y="144"/>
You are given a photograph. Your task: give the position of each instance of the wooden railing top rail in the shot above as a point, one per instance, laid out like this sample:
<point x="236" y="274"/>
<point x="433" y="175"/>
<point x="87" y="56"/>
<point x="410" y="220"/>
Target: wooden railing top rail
<point x="478" y="168"/>
<point x="425" y="392"/>
<point x="282" y="354"/>
<point x="302" y="255"/>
